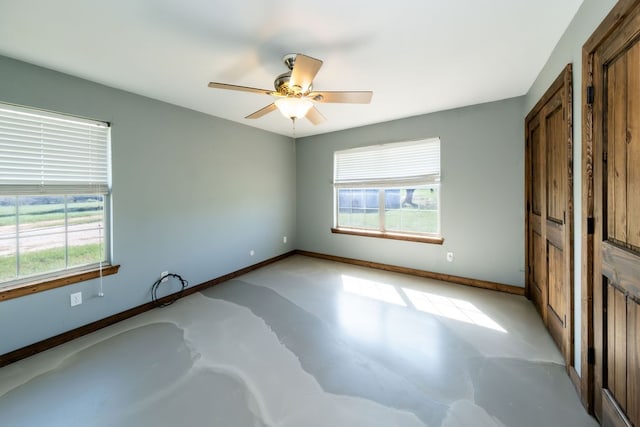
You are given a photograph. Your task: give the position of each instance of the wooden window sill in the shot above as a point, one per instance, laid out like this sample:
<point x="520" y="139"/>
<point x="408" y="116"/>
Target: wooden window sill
<point x="386" y="235"/>
<point x="23" y="289"/>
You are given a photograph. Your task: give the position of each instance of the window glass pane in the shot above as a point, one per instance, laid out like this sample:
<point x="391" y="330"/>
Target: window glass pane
<point x="86" y="229"/>
<point x="50" y="233"/>
<point x="358" y="207"/>
<point x="8" y="240"/>
<point x="412" y="210"/>
<point x="41" y="234"/>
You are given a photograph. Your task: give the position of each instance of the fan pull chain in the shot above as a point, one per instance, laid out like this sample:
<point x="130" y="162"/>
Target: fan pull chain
<point x="100" y="287"/>
<point x="293" y="120"/>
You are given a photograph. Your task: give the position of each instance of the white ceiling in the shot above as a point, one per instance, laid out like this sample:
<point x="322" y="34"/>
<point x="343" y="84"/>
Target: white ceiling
<point x="417" y="56"/>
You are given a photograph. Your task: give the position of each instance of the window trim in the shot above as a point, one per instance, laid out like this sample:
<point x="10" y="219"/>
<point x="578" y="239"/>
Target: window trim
<point x="389" y="235"/>
<point x="56" y="281"/>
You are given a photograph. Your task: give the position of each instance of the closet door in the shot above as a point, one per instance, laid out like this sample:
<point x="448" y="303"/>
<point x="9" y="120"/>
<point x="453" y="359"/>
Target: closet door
<point x="549" y="215"/>
<point x="616" y="282"/>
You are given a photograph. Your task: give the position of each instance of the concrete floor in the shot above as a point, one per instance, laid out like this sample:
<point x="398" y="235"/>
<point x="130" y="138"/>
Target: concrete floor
<point x="306" y="342"/>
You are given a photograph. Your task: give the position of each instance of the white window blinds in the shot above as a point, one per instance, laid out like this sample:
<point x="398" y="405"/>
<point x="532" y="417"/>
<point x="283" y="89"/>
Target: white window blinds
<point x="47" y="153"/>
<point x="388" y="165"/>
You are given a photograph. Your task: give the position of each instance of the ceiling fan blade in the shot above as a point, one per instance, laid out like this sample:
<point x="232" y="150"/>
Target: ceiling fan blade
<point x="215" y="85"/>
<point x="304" y="70"/>
<point x="263" y="111"/>
<point x="315" y="116"/>
<point x="344" y="97"/>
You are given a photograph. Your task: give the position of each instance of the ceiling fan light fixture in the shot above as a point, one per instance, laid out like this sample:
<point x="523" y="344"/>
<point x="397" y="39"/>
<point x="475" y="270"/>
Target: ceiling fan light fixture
<point x="293" y="107"/>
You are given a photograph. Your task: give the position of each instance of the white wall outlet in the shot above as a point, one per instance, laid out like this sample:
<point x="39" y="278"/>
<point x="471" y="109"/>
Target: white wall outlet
<point x="76" y="299"/>
<point x="163" y="274"/>
<point x="450" y="256"/>
<point x="284" y="239"/>
<point x="252" y="252"/>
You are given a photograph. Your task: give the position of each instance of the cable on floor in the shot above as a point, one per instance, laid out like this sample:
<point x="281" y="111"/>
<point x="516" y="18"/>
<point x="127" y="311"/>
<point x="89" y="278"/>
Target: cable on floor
<point x="177" y="295"/>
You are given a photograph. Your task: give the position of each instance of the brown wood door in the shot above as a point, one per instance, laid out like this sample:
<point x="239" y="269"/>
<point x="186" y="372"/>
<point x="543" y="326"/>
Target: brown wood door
<point x="616" y="267"/>
<point x="549" y="231"/>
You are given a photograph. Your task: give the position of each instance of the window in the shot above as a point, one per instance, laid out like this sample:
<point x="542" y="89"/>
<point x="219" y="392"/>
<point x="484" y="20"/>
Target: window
<point x="390" y="190"/>
<point x="54" y="194"/>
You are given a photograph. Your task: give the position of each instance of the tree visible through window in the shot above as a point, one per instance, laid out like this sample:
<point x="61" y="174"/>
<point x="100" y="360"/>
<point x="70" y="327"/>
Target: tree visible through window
<point x="54" y="190"/>
<point x="391" y="188"/>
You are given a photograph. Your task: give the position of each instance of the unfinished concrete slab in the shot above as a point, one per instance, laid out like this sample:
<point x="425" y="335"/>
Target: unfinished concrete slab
<point x="306" y="342"/>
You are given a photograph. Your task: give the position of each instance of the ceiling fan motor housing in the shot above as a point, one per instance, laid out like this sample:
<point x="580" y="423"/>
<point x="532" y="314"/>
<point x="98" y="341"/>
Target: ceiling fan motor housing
<point x="282" y="82"/>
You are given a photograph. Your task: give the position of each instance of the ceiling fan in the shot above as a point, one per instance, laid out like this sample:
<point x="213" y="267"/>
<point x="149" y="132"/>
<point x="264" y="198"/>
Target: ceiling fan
<point x="295" y="97"/>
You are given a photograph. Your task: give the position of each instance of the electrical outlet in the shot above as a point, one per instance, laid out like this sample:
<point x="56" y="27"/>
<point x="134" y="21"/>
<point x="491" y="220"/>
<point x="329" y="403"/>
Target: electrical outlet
<point x="450" y="256"/>
<point x="163" y="274"/>
<point x="252" y="252"/>
<point x="284" y="239"/>
<point x="76" y="299"/>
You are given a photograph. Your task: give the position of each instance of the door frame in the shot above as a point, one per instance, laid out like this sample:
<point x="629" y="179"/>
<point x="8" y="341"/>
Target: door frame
<point x="592" y="107"/>
<point x="563" y="82"/>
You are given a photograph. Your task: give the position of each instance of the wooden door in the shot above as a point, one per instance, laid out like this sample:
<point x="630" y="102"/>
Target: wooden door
<point x="616" y="250"/>
<point x="549" y="211"/>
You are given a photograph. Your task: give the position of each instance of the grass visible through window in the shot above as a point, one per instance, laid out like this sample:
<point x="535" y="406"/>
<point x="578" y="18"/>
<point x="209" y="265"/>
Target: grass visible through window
<point x="405" y="210"/>
<point x="46" y="260"/>
<point x="77" y="213"/>
<point x="49" y="235"/>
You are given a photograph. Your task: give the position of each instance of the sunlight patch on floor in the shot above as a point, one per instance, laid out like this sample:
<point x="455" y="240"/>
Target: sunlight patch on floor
<point x="439" y="305"/>
<point x="370" y="289"/>
<point x="451" y="308"/>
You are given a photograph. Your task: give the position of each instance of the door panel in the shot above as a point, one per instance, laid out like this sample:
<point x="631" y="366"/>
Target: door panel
<point x="617" y="346"/>
<point x="536" y="167"/>
<point x="633" y="146"/>
<point x="557" y="299"/>
<point x="556" y="285"/>
<point x="538" y="272"/>
<point x="549" y="241"/>
<point x="556" y="165"/>
<point x="617" y="171"/>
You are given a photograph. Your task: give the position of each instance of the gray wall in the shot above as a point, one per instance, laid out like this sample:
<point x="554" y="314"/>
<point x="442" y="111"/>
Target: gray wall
<point x="192" y="194"/>
<point x="482" y="198"/>
<point x="569" y="50"/>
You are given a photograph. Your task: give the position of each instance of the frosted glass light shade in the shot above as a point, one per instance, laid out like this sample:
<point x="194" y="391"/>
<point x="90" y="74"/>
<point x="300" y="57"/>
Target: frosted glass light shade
<point x="294" y="108"/>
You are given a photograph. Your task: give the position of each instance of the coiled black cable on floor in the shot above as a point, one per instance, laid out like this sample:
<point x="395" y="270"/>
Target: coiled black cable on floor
<point x="176" y="295"/>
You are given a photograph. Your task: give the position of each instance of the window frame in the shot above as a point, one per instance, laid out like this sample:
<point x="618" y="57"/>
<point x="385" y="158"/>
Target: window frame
<point x="379" y="184"/>
<point x="26" y="285"/>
